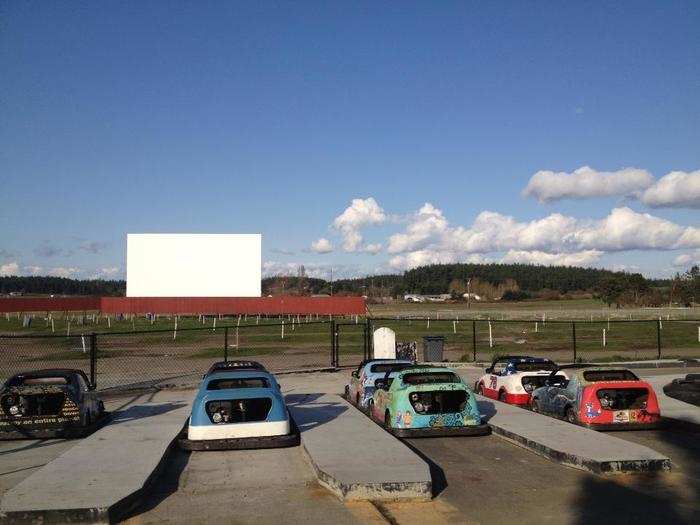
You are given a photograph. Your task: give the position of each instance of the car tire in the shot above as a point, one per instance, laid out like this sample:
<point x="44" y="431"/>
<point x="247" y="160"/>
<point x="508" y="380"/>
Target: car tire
<point x="387" y="420"/>
<point x="502" y="396"/>
<point x="535" y="405"/>
<point x="369" y="407"/>
<point x="357" y="401"/>
<point x="570" y="415"/>
<point x="347" y="393"/>
<point x="480" y="389"/>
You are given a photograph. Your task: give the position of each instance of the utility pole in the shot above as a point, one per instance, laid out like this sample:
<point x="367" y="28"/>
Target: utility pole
<point x="331" y="281"/>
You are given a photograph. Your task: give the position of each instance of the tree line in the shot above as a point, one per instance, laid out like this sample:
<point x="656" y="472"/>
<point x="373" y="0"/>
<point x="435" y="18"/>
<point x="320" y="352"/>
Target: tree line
<point x="506" y="281"/>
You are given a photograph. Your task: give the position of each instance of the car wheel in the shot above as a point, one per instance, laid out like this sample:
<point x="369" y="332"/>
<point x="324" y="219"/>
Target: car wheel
<point x="370" y="408"/>
<point x="387" y="420"/>
<point x="502" y="396"/>
<point x="535" y="405"/>
<point x="357" y="400"/>
<point x="480" y="390"/>
<point x="347" y="392"/>
<point x="571" y="415"/>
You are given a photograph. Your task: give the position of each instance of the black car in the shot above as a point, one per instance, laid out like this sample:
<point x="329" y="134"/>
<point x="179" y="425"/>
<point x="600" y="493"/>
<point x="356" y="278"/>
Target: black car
<point x="49" y="403"/>
<point x="685" y="389"/>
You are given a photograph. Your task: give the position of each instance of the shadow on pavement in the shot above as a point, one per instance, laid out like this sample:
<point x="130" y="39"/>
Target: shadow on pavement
<point x="143" y="411"/>
<point x="310" y="413"/>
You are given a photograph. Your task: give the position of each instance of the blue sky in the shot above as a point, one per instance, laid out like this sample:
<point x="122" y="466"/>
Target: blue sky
<point x="267" y="117"/>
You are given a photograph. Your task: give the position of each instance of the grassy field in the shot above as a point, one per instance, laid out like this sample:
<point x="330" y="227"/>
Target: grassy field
<point x="576" y="309"/>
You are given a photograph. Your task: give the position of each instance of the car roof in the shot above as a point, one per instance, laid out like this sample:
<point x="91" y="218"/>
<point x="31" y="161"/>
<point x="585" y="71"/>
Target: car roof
<point x="236" y="364"/>
<point x="50" y="372"/>
<point x="422" y="368"/>
<point x="366" y="362"/>
<point x="521" y="359"/>
<point x="239" y="374"/>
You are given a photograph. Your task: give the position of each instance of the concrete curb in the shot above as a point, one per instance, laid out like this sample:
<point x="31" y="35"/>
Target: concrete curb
<point x="366" y="476"/>
<point x="36" y="500"/>
<point x="572" y="445"/>
<point x="370" y="491"/>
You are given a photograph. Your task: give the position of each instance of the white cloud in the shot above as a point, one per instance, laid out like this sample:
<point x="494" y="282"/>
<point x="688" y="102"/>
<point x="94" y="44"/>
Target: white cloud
<point x="373" y="248"/>
<point x="686" y="260"/>
<point x="677" y="189"/>
<point x="322" y="245"/>
<point x="62" y="271"/>
<point x="107" y="273"/>
<point x="421" y="258"/>
<point x="623" y="229"/>
<point x="585" y="182"/>
<point x="360" y="214"/>
<point x="584" y="258"/>
<point x="319" y="271"/>
<point x="427" y="223"/>
<point x="7" y="269"/>
<point x="32" y="270"/>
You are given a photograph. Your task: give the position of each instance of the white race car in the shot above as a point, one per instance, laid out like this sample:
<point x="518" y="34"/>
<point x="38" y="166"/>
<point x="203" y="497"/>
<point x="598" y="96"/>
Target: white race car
<point x="511" y="379"/>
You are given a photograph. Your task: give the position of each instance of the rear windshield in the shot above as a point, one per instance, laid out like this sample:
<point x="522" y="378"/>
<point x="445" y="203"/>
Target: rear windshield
<point x="609" y="375"/>
<point x="43" y="381"/>
<point x="427" y="378"/>
<point x="533" y="367"/>
<point x="383" y="368"/>
<point x="239" y="382"/>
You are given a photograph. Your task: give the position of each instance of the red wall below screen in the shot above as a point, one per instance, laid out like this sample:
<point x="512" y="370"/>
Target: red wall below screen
<point x="189" y="305"/>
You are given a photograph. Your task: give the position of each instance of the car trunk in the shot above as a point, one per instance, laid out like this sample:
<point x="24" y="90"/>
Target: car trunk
<point x="623" y="398"/>
<point x="31" y="404"/>
<point x="438" y="401"/>
<point x="247" y="410"/>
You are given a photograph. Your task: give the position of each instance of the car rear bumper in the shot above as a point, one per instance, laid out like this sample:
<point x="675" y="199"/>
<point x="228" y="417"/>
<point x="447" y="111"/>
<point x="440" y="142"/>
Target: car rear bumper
<point x="475" y="430"/>
<point x="623" y="426"/>
<point x="54" y="430"/>
<point x="241" y="443"/>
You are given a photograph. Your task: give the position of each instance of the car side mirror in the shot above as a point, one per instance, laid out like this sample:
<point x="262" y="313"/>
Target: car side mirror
<point x="380" y="383"/>
<point x="489" y="370"/>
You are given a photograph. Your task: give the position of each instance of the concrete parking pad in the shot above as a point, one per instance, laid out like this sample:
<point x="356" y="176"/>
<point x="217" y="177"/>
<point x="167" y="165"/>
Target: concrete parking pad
<point x="244" y="486"/>
<point x="568" y="444"/>
<point x="352" y="456"/>
<point x="100" y="476"/>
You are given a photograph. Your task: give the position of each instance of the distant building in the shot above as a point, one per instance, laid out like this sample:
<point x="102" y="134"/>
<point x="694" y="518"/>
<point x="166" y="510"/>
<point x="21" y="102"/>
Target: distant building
<point x="419" y="298"/>
<point x="472" y="296"/>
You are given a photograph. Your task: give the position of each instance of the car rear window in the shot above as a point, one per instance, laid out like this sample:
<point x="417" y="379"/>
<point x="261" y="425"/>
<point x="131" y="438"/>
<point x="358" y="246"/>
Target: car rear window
<point x="44" y="381"/>
<point x="239" y="382"/>
<point x="427" y="378"/>
<point x="594" y="376"/>
<point x="383" y="368"/>
<point x="533" y="367"/>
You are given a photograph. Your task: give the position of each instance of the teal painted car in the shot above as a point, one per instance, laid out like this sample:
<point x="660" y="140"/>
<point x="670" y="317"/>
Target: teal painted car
<point x="426" y="401"/>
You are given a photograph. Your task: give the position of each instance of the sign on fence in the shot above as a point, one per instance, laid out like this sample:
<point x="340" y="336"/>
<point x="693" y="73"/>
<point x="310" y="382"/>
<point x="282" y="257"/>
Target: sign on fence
<point x="384" y="340"/>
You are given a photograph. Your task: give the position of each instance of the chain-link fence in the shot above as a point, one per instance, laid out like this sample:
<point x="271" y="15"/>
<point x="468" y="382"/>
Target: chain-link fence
<point x="601" y="341"/>
<point x="142" y="358"/>
<point x="156" y="357"/>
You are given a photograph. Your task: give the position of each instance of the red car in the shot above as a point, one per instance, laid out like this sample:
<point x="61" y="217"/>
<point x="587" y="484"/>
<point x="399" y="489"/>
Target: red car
<point x="598" y="397"/>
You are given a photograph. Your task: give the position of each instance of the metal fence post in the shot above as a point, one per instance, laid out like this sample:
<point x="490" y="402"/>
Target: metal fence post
<point x="573" y="337"/>
<point x="93" y="358"/>
<point x="333" y="342"/>
<point x="226" y="343"/>
<point x="474" y="339"/>
<point x="658" y="338"/>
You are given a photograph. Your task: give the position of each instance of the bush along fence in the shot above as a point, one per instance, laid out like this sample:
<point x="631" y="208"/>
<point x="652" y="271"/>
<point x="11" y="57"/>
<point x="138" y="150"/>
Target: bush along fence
<point x="142" y="358"/>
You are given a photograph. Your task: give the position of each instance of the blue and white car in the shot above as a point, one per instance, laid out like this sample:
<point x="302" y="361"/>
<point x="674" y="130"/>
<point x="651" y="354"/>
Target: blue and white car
<point x="361" y="387"/>
<point x="239" y="409"/>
